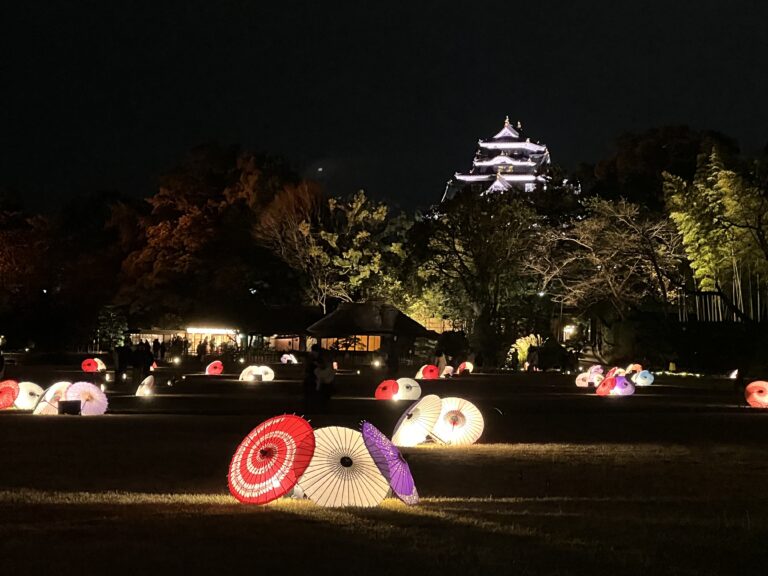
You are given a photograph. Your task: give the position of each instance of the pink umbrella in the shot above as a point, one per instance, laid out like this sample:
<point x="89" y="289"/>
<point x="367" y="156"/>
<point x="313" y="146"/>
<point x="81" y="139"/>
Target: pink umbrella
<point x="386" y="390"/>
<point x="214" y="368"/>
<point x="93" y="401"/>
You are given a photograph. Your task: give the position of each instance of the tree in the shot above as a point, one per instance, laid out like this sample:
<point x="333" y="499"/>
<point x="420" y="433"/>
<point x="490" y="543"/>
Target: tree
<point x="476" y="253"/>
<point x="722" y="215"/>
<point x="616" y="254"/>
<point x="197" y="254"/>
<point x="346" y="249"/>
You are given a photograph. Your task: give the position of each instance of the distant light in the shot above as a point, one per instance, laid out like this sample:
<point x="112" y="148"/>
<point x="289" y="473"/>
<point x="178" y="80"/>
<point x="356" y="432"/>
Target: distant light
<point x="241" y="360"/>
<point x="176" y="360"/>
<point x="45" y="291"/>
<point x="125" y="376"/>
<point x="107" y="377"/>
<point x="376" y="363"/>
<point x="733" y="375"/>
<point x="540" y="294"/>
<point x="103" y="388"/>
<point x="26" y="349"/>
<point x="358" y="371"/>
<point x="320" y="169"/>
<point x="197" y="330"/>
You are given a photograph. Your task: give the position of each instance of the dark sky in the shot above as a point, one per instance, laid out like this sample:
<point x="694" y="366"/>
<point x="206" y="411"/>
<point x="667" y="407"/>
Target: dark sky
<point x="389" y="96"/>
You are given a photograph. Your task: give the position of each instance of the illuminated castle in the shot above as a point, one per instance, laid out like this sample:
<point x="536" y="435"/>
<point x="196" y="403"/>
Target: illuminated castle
<point x="505" y="162"/>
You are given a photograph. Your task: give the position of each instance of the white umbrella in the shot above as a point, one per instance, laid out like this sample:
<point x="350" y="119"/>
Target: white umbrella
<point x="288" y="359"/>
<point x="342" y="471"/>
<point x="147" y="386"/>
<point x="100" y="366"/>
<point x="266" y="373"/>
<point x="460" y="422"/>
<point x="29" y="395"/>
<point x="417" y="421"/>
<point x="582" y="380"/>
<point x="467" y="367"/>
<point x="93" y="401"/>
<point x="408" y="389"/>
<point x="250" y="373"/>
<point x="48" y="405"/>
<point x="447" y="372"/>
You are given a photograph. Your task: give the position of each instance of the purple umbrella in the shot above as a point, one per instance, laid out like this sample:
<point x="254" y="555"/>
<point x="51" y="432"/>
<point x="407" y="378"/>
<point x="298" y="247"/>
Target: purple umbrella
<point x="391" y="463"/>
<point x="93" y="401"/>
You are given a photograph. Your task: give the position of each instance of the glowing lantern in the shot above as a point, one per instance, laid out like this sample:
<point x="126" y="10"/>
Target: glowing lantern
<point x="266" y="373"/>
<point x="386" y="390"/>
<point x="756" y="394"/>
<point x="89" y="365"/>
<point x="622" y="387"/>
<point x="288" y="359"/>
<point x="270" y="460"/>
<point x="604" y="389"/>
<point x="147" y="386"/>
<point x="430" y="372"/>
<point x="643" y="378"/>
<point x="93" y="402"/>
<point x="250" y="374"/>
<point x="407" y="389"/>
<point x="342" y="471"/>
<point x="582" y="380"/>
<point x="460" y="422"/>
<point x="390" y="463"/>
<point x="29" y="394"/>
<point x="447" y="372"/>
<point x="467" y="367"/>
<point x="9" y="390"/>
<point x="417" y="421"/>
<point x="49" y="401"/>
<point x="101" y="367"/>
<point x="214" y="368"/>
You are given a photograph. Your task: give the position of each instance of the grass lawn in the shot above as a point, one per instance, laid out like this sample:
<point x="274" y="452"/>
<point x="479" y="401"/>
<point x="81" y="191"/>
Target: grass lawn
<point x="592" y="508"/>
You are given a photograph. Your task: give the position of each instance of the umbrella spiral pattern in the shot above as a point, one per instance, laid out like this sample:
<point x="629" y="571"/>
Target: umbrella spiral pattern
<point x="93" y="402"/>
<point x="756" y="394"/>
<point x="29" y="395"/>
<point x="391" y="463"/>
<point x="342" y="471"/>
<point x="460" y="422"/>
<point x="271" y="459"/>
<point x="417" y="421"/>
<point x="407" y="389"/>
<point x="48" y="405"/>
<point x="9" y="391"/>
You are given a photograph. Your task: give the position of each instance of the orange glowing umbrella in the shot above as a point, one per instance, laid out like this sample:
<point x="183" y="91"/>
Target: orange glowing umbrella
<point x="756" y="394"/>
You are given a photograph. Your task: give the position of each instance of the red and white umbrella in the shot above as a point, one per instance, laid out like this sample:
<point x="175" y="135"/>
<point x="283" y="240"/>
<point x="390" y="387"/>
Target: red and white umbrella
<point x="460" y="422"/>
<point x="342" y="471"/>
<point x="417" y="421"/>
<point x="29" y="394"/>
<point x="147" y="386"/>
<point x="93" y="402"/>
<point x="467" y="367"/>
<point x="9" y="390"/>
<point x="214" y="368"/>
<point x="270" y="460"/>
<point x="48" y="405"/>
<point x="407" y="389"/>
<point x="386" y="390"/>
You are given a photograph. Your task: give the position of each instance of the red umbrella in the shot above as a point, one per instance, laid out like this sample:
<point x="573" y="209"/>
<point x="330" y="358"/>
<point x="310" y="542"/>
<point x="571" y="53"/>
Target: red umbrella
<point x="214" y="368"/>
<point x="430" y="372"/>
<point x="386" y="390"/>
<point x="606" y="386"/>
<point x="271" y="459"/>
<point x="9" y="391"/>
<point x="89" y="365"/>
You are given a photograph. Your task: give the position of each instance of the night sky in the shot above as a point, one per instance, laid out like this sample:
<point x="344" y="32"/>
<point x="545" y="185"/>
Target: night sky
<point x="391" y="97"/>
